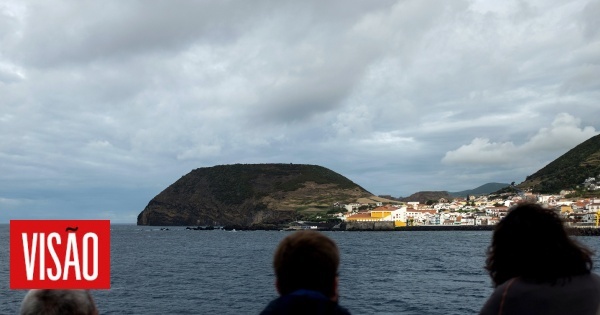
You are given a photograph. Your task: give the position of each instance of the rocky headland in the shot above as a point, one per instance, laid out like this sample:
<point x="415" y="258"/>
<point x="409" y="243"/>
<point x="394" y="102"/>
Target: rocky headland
<point x="248" y="195"/>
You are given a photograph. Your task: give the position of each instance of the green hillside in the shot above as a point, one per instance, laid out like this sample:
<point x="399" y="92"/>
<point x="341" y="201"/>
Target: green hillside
<point x="569" y="170"/>
<point x="427" y="196"/>
<point x="249" y="194"/>
<point x="481" y="190"/>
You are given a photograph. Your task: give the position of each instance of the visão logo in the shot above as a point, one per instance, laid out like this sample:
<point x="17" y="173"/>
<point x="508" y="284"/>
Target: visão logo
<point x="60" y="254"/>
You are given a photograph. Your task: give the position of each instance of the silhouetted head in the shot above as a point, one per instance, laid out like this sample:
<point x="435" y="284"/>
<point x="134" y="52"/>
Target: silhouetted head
<point x="532" y="243"/>
<point x="58" y="302"/>
<point x="307" y="260"/>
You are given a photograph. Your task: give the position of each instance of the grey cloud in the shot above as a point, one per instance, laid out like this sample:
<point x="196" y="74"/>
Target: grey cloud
<point x="308" y="95"/>
<point x="112" y="29"/>
<point x="587" y="78"/>
<point x="589" y="21"/>
<point x="114" y="95"/>
<point x="9" y="74"/>
<point x="563" y="134"/>
<point x="107" y="30"/>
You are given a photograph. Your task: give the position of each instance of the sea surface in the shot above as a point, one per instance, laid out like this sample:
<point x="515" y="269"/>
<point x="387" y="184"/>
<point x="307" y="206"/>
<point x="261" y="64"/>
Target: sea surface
<point x="227" y="272"/>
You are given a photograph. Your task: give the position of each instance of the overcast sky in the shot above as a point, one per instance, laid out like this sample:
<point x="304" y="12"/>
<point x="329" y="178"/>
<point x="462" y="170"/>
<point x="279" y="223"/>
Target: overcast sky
<point x="106" y="103"/>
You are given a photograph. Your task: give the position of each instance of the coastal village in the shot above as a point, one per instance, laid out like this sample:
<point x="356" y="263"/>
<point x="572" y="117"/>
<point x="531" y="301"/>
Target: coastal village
<point x="473" y="210"/>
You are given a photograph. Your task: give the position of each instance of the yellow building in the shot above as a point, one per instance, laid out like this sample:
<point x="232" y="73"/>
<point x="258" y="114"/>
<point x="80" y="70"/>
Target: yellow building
<point x="379" y="214"/>
<point x="362" y="216"/>
<point x="398" y="223"/>
<point x="566" y="209"/>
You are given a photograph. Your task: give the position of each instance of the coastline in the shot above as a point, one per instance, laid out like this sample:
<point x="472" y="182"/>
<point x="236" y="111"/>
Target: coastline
<point x="574" y="231"/>
<point x="446" y="228"/>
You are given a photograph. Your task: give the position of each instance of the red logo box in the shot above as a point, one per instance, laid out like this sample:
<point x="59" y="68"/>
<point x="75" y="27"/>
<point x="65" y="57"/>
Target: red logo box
<point x="60" y="254"/>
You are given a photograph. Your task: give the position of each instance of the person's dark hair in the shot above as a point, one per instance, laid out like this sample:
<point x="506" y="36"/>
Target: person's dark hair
<point x="306" y="260"/>
<point x="58" y="302"/>
<point x="532" y="243"/>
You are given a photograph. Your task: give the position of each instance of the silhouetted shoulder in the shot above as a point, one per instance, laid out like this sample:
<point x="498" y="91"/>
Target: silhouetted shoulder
<point x="571" y="295"/>
<point x="304" y="302"/>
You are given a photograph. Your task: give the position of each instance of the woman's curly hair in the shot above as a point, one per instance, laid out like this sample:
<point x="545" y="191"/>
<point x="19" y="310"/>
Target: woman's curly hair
<point x="532" y="243"/>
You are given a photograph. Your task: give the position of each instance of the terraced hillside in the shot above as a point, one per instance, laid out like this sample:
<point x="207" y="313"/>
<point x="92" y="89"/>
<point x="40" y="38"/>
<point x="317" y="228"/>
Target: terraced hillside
<point x="249" y="194"/>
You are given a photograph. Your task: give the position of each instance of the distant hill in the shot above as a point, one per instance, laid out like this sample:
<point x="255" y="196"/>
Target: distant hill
<point x="484" y="189"/>
<point x="424" y="196"/>
<point x="569" y="170"/>
<point x="249" y="194"/>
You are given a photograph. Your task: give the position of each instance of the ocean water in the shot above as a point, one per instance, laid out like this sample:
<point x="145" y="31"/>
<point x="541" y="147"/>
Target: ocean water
<point x="224" y="272"/>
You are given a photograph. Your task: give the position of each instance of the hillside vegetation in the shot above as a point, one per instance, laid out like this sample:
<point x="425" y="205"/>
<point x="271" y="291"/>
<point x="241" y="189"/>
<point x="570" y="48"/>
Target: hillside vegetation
<point x="569" y="170"/>
<point x="249" y="194"/>
<point x="481" y="190"/>
<point x="428" y="196"/>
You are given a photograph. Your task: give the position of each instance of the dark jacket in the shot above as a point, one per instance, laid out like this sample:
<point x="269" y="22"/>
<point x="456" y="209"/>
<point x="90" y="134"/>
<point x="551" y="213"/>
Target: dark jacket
<point x="575" y="295"/>
<point x="304" y="302"/>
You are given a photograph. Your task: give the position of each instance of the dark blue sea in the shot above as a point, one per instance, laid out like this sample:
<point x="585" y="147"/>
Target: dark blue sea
<point x="226" y="272"/>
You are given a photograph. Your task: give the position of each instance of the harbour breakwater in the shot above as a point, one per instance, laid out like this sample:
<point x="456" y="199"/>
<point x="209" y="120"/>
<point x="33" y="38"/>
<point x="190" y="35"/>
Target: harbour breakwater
<point x="584" y="231"/>
<point x="386" y="226"/>
<point x="575" y="231"/>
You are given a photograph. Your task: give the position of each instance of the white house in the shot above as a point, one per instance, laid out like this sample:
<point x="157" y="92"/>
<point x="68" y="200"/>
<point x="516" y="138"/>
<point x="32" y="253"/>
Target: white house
<point x="467" y="221"/>
<point x="352" y="207"/>
<point x="593" y="207"/>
